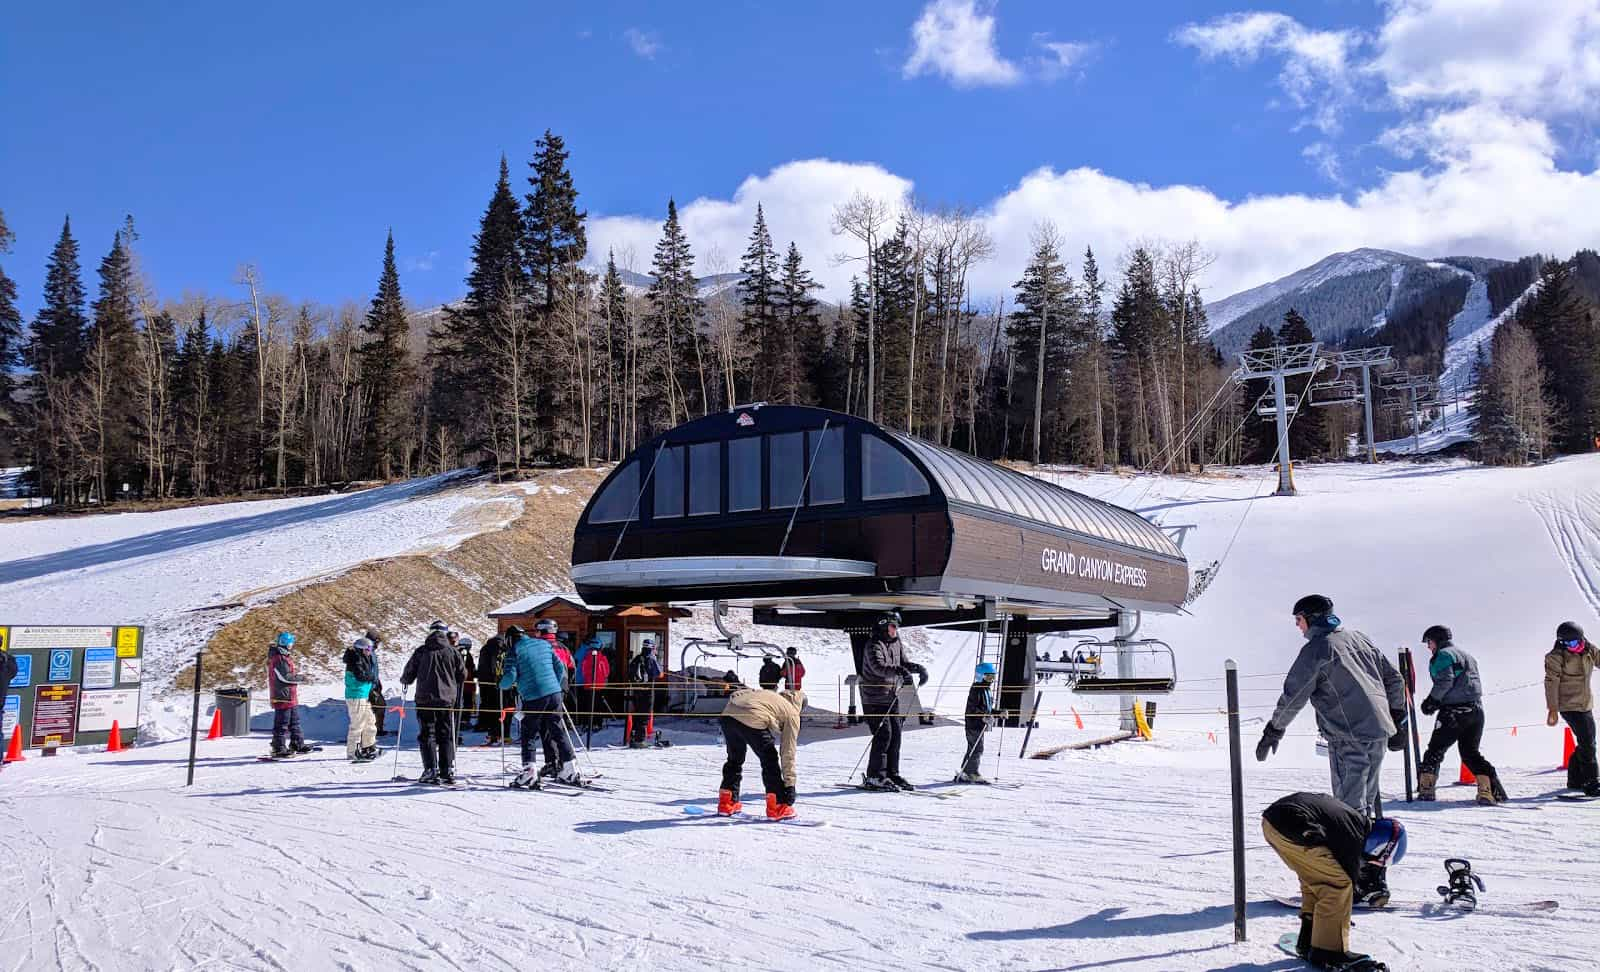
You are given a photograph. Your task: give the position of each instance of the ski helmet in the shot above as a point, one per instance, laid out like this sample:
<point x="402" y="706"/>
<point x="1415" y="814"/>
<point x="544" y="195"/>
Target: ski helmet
<point x="1386" y="842"/>
<point x="987" y="670"/>
<point x="887" y="620"/>
<point x="1313" y="607"/>
<point x="466" y="642"/>
<point x="545" y="626"/>
<point x="438" y="626"/>
<point x="285" y="639"/>
<point x="1569" y="631"/>
<point x="1438" y="634"/>
<point x="362" y="644"/>
<point x="513" y="632"/>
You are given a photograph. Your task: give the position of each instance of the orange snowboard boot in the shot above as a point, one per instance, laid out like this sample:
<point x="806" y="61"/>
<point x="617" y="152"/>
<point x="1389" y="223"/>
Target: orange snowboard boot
<point x="727" y="806"/>
<point x="776" y="810"/>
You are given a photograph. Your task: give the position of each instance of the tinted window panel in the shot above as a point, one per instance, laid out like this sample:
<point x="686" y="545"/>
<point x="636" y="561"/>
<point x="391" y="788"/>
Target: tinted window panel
<point x="705" y="478"/>
<point x="744" y="474"/>
<point x="669" y="482"/>
<point x="788" y="468"/>
<point x="617" y="503"/>
<point x="825" y="449"/>
<point x="886" y="474"/>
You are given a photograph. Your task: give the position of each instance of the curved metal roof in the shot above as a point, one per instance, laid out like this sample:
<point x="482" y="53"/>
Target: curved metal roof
<point x="969" y="480"/>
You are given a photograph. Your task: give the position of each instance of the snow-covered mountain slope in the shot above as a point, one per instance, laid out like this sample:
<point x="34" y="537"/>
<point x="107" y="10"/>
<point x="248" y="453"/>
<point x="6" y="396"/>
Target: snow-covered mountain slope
<point x="705" y="287"/>
<point x="1225" y="311"/>
<point x="1110" y="858"/>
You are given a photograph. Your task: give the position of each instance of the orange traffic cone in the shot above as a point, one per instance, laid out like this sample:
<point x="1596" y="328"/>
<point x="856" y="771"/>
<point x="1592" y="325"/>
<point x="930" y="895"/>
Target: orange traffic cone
<point x="1077" y="719"/>
<point x="14" y="752"/>
<point x="216" y="725"/>
<point x="1567" y="749"/>
<point x="114" y="745"/>
<point x="1467" y="779"/>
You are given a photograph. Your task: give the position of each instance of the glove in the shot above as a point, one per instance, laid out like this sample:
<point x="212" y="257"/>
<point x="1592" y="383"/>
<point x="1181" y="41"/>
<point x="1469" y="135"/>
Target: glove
<point x="917" y="670"/>
<point x="1399" y="717"/>
<point x="1270" y="737"/>
<point x="1429" y="706"/>
<point x="1397" y="742"/>
<point x="786" y="795"/>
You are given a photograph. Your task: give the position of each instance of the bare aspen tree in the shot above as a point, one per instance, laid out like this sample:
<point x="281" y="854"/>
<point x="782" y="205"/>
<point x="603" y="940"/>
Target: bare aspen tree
<point x="1183" y="264"/>
<point x="864" y="217"/>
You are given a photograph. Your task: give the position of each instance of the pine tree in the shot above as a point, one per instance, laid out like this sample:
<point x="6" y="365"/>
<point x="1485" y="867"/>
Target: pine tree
<point x="58" y="330"/>
<point x="1568" y="338"/>
<point x="386" y="368"/>
<point x="801" y="328"/>
<point x="553" y="236"/>
<point x="10" y="340"/>
<point x="1140" y="324"/>
<point x="674" y="313"/>
<point x="110" y="352"/>
<point x="758" y="298"/>
<point x="1094" y="380"/>
<point x="620" y="356"/>
<point x="1038" y="337"/>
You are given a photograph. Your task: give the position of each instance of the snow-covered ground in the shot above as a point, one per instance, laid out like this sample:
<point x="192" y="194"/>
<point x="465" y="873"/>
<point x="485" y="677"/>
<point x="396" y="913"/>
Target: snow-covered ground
<point x="1116" y="858"/>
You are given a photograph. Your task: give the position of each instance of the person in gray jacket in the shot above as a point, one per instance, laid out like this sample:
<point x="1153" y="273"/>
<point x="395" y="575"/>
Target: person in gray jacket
<point x="1457" y="698"/>
<point x="883" y="670"/>
<point x="1358" y="697"/>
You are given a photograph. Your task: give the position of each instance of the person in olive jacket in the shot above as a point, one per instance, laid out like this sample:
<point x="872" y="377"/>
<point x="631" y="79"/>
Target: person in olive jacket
<point x="1568" y="668"/>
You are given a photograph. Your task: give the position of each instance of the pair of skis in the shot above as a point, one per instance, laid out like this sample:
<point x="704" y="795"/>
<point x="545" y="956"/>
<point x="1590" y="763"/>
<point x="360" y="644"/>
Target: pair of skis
<point x="269" y="758"/>
<point x="695" y="810"/>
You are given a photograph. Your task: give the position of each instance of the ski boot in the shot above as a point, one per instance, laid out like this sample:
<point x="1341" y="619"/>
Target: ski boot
<point x="900" y="782"/>
<point x="1372" y="887"/>
<point x="280" y="752"/>
<point x="1459" y="892"/>
<point x="302" y="747"/>
<point x="1486" y="797"/>
<point x="447" y="777"/>
<point x="972" y="777"/>
<point x="879" y="784"/>
<point x="661" y="742"/>
<point x="727" y="805"/>
<point x="527" y="779"/>
<point x="776" y="810"/>
<point x="429" y="777"/>
<point x="568" y="773"/>
<point x="1302" y="944"/>
<point x="1322" y="958"/>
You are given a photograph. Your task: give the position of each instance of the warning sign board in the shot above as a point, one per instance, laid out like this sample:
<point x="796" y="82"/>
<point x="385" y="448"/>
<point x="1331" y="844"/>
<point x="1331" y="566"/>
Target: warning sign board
<point x="99" y="668"/>
<point x="100" y="709"/>
<point x="127" y="642"/>
<point x="12" y="715"/>
<point x="59" y="636"/>
<point x="55" y="715"/>
<point x="24" y="676"/>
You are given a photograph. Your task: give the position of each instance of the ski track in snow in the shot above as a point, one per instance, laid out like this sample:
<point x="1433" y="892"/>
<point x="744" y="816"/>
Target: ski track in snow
<point x="1573" y="522"/>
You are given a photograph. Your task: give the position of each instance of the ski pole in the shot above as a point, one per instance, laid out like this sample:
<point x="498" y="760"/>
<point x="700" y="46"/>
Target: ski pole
<point x="577" y="739"/>
<point x="400" y="731"/>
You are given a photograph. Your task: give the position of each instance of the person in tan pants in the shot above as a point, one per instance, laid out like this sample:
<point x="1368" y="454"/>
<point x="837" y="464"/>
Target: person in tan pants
<point x="1328" y="845"/>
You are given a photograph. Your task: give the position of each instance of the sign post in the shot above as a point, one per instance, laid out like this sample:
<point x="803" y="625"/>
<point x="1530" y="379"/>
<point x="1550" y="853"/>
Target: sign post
<point x="1236" y="770"/>
<point x="194" y="724"/>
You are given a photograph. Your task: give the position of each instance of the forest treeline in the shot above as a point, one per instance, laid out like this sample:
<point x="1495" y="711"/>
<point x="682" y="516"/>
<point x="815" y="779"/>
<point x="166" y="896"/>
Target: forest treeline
<point x="550" y="358"/>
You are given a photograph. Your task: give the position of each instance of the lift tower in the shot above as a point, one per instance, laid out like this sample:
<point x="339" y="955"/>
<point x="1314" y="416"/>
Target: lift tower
<point x="1279" y="363"/>
<point x="1366" y="359"/>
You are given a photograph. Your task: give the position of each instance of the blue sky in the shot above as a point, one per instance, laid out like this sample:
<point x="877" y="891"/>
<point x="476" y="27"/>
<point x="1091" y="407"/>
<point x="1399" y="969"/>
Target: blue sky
<point x="292" y="136"/>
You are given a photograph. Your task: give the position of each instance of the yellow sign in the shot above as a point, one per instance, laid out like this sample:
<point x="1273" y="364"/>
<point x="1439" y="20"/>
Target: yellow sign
<point x="5" y="642"/>
<point x="127" y="642"/>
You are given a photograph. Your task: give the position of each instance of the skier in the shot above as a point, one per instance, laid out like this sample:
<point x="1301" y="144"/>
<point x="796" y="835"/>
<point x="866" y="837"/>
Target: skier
<point x="436" y="668"/>
<point x="380" y="703"/>
<point x="489" y="704"/>
<point x="1333" y="849"/>
<point x="595" y="669"/>
<point x="771" y="673"/>
<point x="884" y="670"/>
<point x="532" y="667"/>
<point x="979" y="717"/>
<point x="749" y="721"/>
<point x="1568" y="668"/>
<point x="1358" y="697"/>
<point x="283" y="683"/>
<point x="794" y="670"/>
<point x="1457" y="697"/>
<point x="360" y="671"/>
<point x="643" y="674"/>
<point x="467" y="703"/>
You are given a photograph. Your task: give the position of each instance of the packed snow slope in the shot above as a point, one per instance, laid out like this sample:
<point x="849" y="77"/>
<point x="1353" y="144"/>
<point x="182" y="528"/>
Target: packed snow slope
<point x="1115" y="858"/>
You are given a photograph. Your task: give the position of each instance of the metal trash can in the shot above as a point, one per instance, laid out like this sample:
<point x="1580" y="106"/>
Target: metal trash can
<point x="234" y="704"/>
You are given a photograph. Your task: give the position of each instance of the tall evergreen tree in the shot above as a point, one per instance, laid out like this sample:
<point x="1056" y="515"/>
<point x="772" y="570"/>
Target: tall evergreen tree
<point x="386" y="368"/>
<point x="10" y="339"/>
<point x="1567" y="334"/>
<point x="1140" y="329"/>
<point x="621" y="362"/>
<point x="758" y="299"/>
<point x="1038" y="337"/>
<point x="109" y="362"/>
<point x="801" y="327"/>
<point x="58" y="329"/>
<point x="674" y="337"/>
<point x="553" y="238"/>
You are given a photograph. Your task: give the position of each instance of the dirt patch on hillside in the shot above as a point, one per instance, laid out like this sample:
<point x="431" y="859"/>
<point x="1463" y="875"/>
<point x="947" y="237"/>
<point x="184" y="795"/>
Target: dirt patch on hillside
<point x="400" y="596"/>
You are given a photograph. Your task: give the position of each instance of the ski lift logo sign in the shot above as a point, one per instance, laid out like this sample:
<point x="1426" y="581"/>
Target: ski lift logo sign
<point x="1053" y="561"/>
<point x="745" y="420"/>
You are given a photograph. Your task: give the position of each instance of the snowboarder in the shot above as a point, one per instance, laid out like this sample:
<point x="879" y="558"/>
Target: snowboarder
<point x="771" y="673"/>
<point x="1334" y="850"/>
<point x="531" y="665"/>
<point x="595" y="669"/>
<point x="360" y="671"/>
<point x="1457" y="697"/>
<point x="979" y="717"/>
<point x="436" y="668"/>
<point x="1568" y="668"/>
<point x="489" y="702"/>
<point x="467" y="704"/>
<point x="1358" y="697"/>
<point x="643" y="674"/>
<point x="750" y="720"/>
<point x="283" y="683"/>
<point x="794" y="670"/>
<point x="380" y="703"/>
<point x="884" y="670"/>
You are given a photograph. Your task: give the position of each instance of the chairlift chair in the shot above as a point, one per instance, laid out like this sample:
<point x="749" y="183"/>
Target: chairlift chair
<point x="1341" y="392"/>
<point x="686" y="695"/>
<point x="1154" y="662"/>
<point x="1269" y="406"/>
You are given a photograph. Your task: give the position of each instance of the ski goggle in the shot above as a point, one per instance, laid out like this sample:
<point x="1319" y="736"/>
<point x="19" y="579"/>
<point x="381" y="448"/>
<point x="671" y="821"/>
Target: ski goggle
<point x="1574" y="645"/>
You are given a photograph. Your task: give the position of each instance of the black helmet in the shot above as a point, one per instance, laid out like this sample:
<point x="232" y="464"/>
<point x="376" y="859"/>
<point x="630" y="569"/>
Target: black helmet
<point x="886" y="619"/>
<point x="1569" y="631"/>
<point x="1438" y="634"/>
<point x="545" y="626"/>
<point x="514" y="631"/>
<point x="1313" y="607"/>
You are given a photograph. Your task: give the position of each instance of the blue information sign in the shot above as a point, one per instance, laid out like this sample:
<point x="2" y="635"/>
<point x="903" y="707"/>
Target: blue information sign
<point x="12" y="713"/>
<point x="24" y="674"/>
<point x="60" y="664"/>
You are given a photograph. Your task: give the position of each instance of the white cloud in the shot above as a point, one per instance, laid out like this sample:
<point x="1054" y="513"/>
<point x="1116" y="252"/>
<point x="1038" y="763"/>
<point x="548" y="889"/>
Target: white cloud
<point x="953" y="39"/>
<point x="421" y="264"/>
<point x="1059" y="57"/>
<point x="1540" y="58"/>
<point x="1316" y="73"/>
<point x="1326" y="159"/>
<point x="644" y="43"/>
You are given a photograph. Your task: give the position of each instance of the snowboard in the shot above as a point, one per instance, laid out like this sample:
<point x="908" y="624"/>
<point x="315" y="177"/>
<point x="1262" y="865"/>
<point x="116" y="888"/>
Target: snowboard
<point x="1434" y="909"/>
<point x="1287" y="942"/>
<point x="742" y="817"/>
<point x="1577" y="797"/>
<point x="269" y="758"/>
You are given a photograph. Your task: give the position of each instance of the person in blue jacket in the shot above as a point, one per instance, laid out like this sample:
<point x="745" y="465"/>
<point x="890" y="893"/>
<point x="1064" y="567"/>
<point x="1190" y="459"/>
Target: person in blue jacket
<point x="532" y="668"/>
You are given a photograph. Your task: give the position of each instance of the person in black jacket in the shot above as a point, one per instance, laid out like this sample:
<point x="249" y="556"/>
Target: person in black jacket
<point x="979" y="716"/>
<point x="770" y="675"/>
<point x="884" y="670"/>
<point x="1334" y="850"/>
<point x="489" y="689"/>
<point x="436" y="668"/>
<point x="380" y="704"/>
